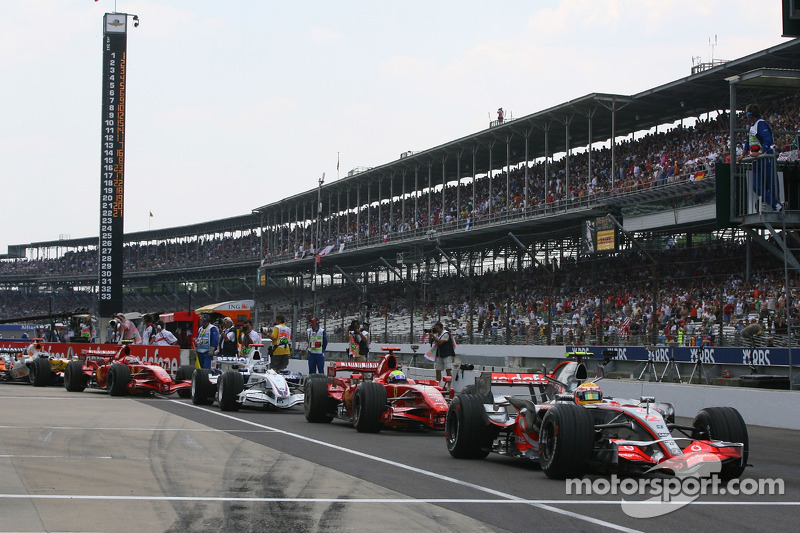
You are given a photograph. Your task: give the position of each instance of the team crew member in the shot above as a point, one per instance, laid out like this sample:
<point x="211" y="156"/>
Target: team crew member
<point x="445" y="350"/>
<point x="206" y="342"/>
<point x="281" y="344"/>
<point x="317" y="343"/>
<point x="163" y="337"/>
<point x="149" y="329"/>
<point x="228" y="346"/>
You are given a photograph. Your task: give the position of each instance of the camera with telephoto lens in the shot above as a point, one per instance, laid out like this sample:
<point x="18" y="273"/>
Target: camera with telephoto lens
<point x="113" y="324"/>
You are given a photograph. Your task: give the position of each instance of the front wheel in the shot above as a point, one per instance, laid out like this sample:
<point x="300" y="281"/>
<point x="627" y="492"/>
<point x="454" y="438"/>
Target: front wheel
<point x="74" y="378"/>
<point x="40" y="372"/>
<point x="118" y="378"/>
<point x="566" y="441"/>
<point x="202" y="390"/>
<point x="230" y="384"/>
<point x="368" y="406"/>
<point x="466" y="430"/>
<point x="725" y="424"/>
<point x="316" y="399"/>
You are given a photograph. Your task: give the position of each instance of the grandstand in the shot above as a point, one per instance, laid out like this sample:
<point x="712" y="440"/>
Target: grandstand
<point x="486" y="232"/>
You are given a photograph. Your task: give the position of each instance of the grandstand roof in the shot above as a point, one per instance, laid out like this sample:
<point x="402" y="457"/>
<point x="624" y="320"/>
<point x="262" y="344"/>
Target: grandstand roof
<point x="691" y="96"/>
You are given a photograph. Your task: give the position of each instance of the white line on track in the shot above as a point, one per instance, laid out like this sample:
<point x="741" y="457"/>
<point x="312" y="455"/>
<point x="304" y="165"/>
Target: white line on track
<point x="7" y="456"/>
<point x="189" y="430"/>
<point x="223" y="499"/>
<point x="514" y="499"/>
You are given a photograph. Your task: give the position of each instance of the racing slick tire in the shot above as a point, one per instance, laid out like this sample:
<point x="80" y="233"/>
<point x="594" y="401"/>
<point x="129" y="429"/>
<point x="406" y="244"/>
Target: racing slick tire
<point x="465" y="430"/>
<point x="472" y="389"/>
<point x="119" y="376"/>
<point x="566" y="441"/>
<point x="316" y="400"/>
<point x="40" y="372"/>
<point x="726" y="424"/>
<point x="202" y="390"/>
<point x="74" y="379"/>
<point x="184" y="373"/>
<point x="368" y="405"/>
<point x="230" y="384"/>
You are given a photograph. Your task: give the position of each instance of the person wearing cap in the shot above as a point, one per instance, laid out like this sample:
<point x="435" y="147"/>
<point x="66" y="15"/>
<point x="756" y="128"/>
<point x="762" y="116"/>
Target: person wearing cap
<point x="129" y="333"/>
<point x="317" y="343"/>
<point x="206" y="342"/>
<point x="281" y="344"/>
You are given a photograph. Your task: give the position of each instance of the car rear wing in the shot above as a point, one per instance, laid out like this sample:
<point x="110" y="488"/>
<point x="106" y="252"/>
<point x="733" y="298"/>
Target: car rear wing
<point x="352" y="366"/>
<point x="512" y="379"/>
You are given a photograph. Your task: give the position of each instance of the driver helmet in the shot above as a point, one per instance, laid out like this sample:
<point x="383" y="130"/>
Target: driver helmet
<point x="588" y="392"/>
<point x="397" y="376"/>
<point x="131" y="360"/>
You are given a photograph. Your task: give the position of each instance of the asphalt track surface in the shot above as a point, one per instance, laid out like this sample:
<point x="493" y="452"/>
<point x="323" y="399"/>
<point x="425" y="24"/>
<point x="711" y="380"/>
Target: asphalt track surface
<point x="88" y="462"/>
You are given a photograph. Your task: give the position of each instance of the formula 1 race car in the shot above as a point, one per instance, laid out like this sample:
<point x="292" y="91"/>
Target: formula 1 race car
<point x="374" y="395"/>
<point x="564" y="423"/>
<point x="120" y="373"/>
<point x="33" y="365"/>
<point x="246" y="381"/>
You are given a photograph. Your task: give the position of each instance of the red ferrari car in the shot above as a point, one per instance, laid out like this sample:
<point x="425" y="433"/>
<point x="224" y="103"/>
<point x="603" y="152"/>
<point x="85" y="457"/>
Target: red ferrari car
<point x="120" y="373"/>
<point x="374" y="395"/>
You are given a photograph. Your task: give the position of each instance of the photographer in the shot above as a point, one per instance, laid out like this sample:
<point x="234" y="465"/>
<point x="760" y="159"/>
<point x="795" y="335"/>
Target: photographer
<point x="359" y="342"/>
<point x="445" y="350"/>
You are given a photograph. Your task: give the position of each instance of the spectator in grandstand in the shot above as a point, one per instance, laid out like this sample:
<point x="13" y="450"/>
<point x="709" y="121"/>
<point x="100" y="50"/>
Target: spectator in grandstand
<point x="281" y="344"/>
<point x="317" y="344"/>
<point x="500" y="115"/>
<point x="206" y="341"/>
<point x="760" y="142"/>
<point x="445" y="350"/>
<point x="162" y="336"/>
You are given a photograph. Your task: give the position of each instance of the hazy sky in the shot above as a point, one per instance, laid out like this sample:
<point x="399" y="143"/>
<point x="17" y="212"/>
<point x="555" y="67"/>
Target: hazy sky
<point x="238" y="103"/>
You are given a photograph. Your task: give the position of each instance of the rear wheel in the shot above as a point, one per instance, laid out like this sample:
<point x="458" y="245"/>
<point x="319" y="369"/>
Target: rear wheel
<point x="465" y="430"/>
<point x="726" y="424"/>
<point x="316" y="399"/>
<point x="74" y="378"/>
<point x="118" y="378"/>
<point x="184" y="373"/>
<point x="368" y="406"/>
<point x="40" y="372"/>
<point x="202" y="390"/>
<point x="566" y="441"/>
<point x="230" y="384"/>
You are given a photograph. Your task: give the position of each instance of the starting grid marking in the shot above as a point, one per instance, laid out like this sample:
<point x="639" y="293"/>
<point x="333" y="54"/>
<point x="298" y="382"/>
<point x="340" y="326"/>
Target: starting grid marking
<point x="435" y="501"/>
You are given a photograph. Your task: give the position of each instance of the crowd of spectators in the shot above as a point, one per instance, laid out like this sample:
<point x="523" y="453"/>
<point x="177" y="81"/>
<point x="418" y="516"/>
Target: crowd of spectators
<point x="692" y="295"/>
<point x="663" y="157"/>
